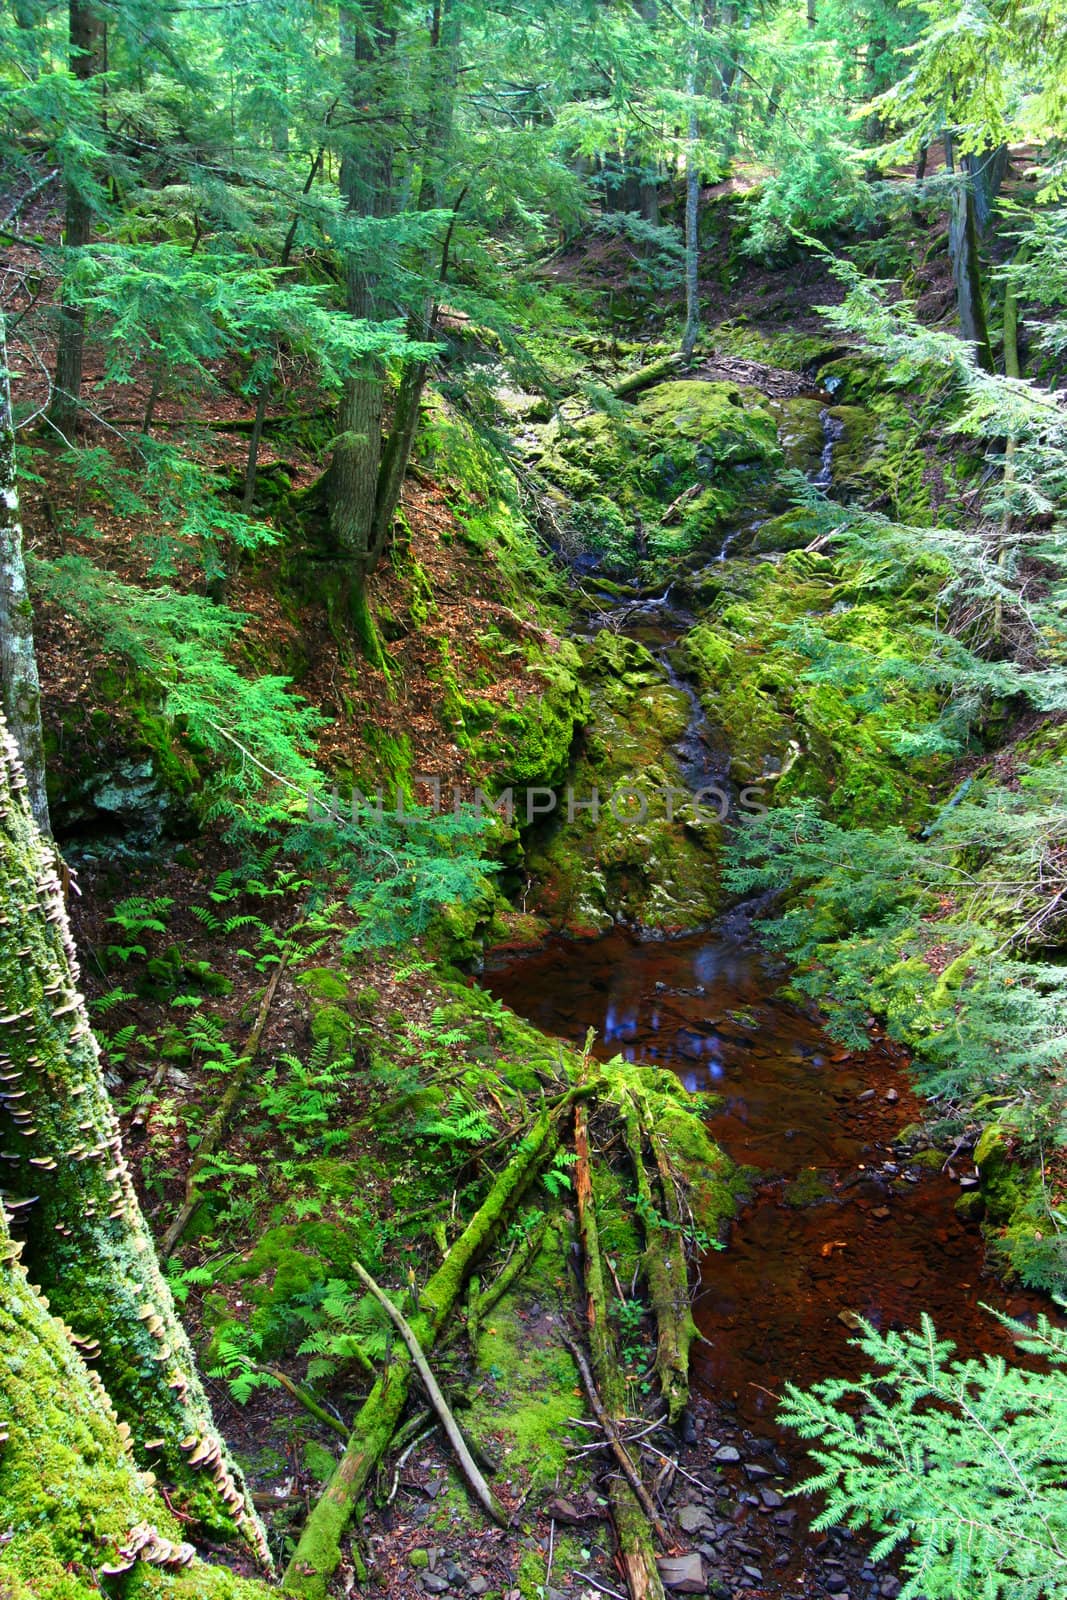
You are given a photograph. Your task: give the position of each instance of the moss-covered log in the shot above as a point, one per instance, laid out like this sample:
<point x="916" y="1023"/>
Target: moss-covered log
<point x="318" y="1552"/>
<point x="87" y="1245"/>
<point x="665" y="1267"/>
<point x="633" y="1530"/>
<point x="72" y="1499"/>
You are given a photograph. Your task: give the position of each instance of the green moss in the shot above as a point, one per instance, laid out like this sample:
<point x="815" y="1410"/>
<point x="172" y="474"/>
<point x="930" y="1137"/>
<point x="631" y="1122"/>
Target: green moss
<point x="324" y="983"/>
<point x="69" y="1491"/>
<point x="335" y="1026"/>
<point x="807" y="1189"/>
<point x="530" y="1383"/>
<point x="630" y="857"/>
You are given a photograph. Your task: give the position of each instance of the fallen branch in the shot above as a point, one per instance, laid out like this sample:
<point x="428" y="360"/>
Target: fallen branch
<point x="306" y="1400"/>
<point x="482" y="1492"/>
<point x="618" y="1447"/>
<point x="219" y="1120"/>
<point x="480" y="1305"/>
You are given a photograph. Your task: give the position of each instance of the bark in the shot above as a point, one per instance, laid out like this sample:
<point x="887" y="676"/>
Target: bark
<point x="1012" y="367"/>
<point x="967" y="275"/>
<point x="665" y="1267"/>
<point x="397" y="450"/>
<point x="367" y="190"/>
<point x="87" y="1244"/>
<point x="966" y="264"/>
<point x="692" y="234"/>
<point x="20" y="688"/>
<point x="637" y="1552"/>
<point x="70" y="1491"/>
<point x="318" y="1552"/>
<point x="87" y="44"/>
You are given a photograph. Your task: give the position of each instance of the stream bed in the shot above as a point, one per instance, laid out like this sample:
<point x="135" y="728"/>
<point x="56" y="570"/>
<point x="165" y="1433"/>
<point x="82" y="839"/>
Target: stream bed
<point x="840" y="1220"/>
<point x="845" y="1218"/>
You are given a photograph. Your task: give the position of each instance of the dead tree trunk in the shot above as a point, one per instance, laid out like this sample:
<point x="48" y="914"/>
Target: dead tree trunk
<point x="20" y="689"/>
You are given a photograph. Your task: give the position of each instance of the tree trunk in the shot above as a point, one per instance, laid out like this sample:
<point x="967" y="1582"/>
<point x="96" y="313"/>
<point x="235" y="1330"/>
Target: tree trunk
<point x="87" y="39"/>
<point x="20" y="689"/>
<point x="692" y="208"/>
<point x="445" y="40"/>
<point x="87" y="1245"/>
<point x="78" y="1513"/>
<point x="367" y="190"/>
<point x="967" y="273"/>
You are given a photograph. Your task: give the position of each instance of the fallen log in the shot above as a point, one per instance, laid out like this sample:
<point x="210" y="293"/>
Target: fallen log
<point x="665" y="1267"/>
<point x="633" y="1528"/>
<point x="318" y="1552"/>
<point x="645" y="377"/>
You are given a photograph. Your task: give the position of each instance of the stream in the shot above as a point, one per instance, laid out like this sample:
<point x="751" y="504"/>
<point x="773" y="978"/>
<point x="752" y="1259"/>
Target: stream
<point x="843" y="1218"/>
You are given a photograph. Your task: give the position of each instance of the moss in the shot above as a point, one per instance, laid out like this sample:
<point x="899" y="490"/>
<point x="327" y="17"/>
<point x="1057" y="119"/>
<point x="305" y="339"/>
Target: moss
<point x="335" y="1026"/>
<point x="419" y="1560"/>
<point x="530" y="1383"/>
<point x="324" y="983"/>
<point x="634" y="856"/>
<point x="807" y="1189"/>
<point x="69" y="1491"/>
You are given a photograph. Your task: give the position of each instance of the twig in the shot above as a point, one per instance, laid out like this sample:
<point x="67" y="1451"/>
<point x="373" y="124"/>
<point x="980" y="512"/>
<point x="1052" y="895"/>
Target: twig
<point x="618" y="1449"/>
<point x="484" y="1495"/>
<point x="217" y="1124"/>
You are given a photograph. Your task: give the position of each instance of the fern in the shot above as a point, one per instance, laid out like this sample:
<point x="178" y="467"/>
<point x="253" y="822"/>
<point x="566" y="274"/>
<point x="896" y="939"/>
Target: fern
<point x="960" y="1465"/>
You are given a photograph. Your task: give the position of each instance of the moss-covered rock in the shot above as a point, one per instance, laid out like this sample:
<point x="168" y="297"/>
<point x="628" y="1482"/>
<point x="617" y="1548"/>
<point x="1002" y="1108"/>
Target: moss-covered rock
<point x="629" y="855"/>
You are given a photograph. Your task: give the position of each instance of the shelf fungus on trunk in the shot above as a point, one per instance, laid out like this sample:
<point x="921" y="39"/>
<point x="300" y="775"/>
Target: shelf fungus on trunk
<point x="86" y="1242"/>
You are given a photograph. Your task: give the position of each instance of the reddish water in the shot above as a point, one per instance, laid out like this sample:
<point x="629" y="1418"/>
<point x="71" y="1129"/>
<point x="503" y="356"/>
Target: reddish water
<point x="885" y="1241"/>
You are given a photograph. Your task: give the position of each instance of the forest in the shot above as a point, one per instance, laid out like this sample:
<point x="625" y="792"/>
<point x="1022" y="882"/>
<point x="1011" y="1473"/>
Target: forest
<point x="533" y="799"/>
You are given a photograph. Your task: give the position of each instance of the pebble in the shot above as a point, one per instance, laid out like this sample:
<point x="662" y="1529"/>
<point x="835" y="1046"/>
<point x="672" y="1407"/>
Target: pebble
<point x="868" y="1094"/>
<point x="892" y="1096"/>
<point x="771" y="1498"/>
<point x="691" y="1519"/>
<point x="477" y="1584"/>
<point x="754" y="1573"/>
<point x="433" y="1583"/>
<point x="836" y="1584"/>
<point x="684" y="1574"/>
<point x="890" y="1587"/>
<point x="755" y="1473"/>
<point x="726" y="1452"/>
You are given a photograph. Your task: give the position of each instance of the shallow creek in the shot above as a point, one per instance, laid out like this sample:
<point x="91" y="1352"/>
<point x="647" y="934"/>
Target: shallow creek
<point x="840" y="1219"/>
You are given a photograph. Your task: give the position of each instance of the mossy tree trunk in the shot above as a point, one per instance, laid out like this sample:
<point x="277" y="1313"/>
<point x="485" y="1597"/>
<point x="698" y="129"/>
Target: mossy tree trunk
<point x="20" y="689"/>
<point x="86" y="1242"/>
<point x="71" y="1494"/>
